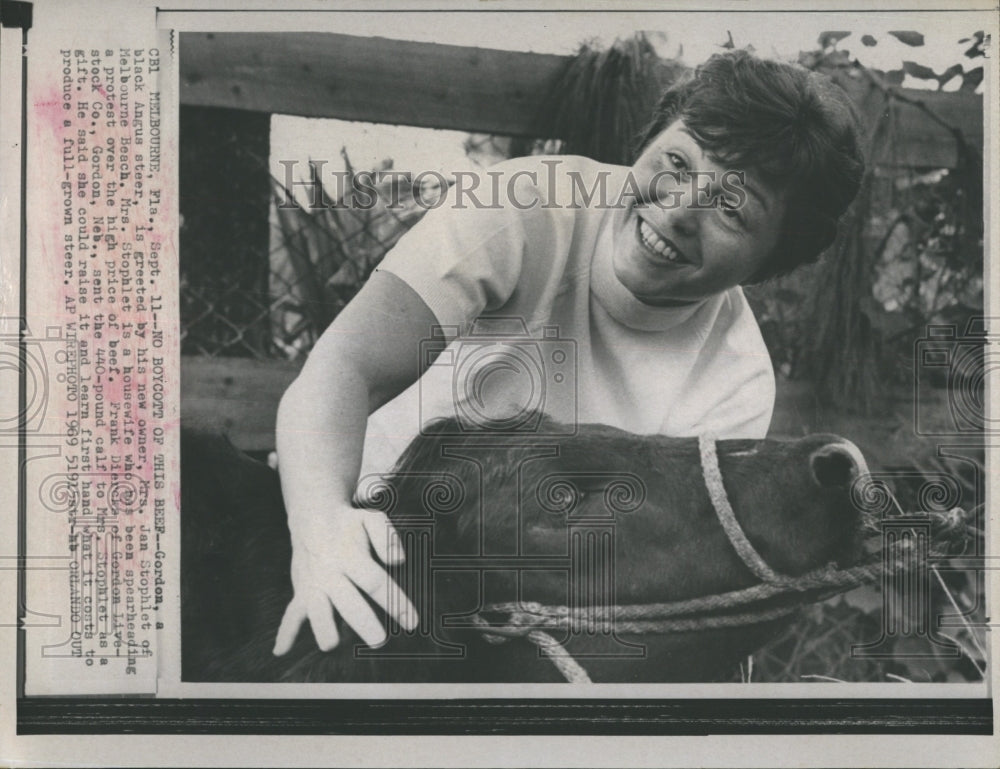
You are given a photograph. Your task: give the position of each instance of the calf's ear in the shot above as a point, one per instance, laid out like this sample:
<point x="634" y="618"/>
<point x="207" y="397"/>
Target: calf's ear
<point x="835" y="465"/>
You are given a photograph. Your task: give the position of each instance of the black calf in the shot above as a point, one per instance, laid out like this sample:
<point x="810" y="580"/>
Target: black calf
<point x="603" y="517"/>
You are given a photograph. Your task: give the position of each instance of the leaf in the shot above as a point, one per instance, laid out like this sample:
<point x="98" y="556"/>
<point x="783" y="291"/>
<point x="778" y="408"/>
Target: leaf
<point x="913" y="39"/>
<point x="895" y="77"/>
<point x="948" y="74"/>
<point x="869" y="41"/>
<point x="977" y="48"/>
<point x="827" y="39"/>
<point x="913" y="69"/>
<point x="972" y="78"/>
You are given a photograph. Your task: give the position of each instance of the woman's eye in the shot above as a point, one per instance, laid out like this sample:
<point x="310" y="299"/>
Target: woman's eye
<point x="729" y="209"/>
<point x="677" y="161"/>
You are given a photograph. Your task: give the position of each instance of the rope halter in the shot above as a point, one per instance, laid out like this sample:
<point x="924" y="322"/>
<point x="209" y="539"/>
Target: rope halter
<point x="531" y="620"/>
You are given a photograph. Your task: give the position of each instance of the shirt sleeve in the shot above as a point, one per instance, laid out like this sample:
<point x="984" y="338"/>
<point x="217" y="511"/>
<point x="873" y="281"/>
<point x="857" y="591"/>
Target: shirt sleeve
<point x="465" y="256"/>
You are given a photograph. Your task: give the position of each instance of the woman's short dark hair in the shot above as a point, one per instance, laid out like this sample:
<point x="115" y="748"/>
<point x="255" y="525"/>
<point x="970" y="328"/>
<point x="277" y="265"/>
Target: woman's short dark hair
<point x="795" y="128"/>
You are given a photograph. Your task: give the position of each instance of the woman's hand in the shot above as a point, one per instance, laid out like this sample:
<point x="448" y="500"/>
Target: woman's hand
<point x="332" y="570"/>
<point x="367" y="356"/>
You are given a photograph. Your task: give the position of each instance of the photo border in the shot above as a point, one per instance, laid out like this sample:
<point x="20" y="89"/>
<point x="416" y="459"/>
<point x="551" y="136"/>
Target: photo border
<point x="552" y="716"/>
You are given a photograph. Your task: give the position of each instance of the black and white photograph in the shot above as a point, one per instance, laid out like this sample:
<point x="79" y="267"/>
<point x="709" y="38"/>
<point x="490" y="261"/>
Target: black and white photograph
<point x="587" y="358"/>
<point x="380" y="376"/>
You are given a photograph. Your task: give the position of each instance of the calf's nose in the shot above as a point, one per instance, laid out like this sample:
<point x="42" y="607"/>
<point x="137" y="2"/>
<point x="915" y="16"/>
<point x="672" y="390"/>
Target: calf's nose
<point x="837" y="464"/>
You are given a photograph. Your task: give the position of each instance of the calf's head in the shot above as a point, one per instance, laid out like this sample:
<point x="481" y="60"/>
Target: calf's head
<point x="645" y="497"/>
<point x="599" y="516"/>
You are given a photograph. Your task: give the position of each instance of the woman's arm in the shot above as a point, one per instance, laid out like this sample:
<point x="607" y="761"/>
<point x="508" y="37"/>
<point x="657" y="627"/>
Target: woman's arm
<point x="365" y="358"/>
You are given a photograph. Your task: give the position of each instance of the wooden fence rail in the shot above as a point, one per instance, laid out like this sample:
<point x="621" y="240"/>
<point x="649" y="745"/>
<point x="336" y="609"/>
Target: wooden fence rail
<point x="462" y="88"/>
<point x="239" y="398"/>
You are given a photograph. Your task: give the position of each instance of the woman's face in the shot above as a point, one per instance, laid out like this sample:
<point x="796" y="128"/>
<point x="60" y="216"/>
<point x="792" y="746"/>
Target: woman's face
<point x="676" y="244"/>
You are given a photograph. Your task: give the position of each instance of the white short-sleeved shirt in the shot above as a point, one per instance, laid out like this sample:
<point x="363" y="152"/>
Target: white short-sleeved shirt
<point x="601" y="355"/>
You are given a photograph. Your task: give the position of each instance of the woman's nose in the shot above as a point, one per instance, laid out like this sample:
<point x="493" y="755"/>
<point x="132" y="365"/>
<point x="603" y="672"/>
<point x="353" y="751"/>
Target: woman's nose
<point x="684" y="218"/>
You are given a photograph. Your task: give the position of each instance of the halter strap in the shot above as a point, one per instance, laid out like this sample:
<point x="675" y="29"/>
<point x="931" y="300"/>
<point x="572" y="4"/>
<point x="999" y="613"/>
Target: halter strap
<point x="720" y="501"/>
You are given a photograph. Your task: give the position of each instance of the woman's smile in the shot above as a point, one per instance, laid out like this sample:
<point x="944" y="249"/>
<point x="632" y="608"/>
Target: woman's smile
<point x="661" y="249"/>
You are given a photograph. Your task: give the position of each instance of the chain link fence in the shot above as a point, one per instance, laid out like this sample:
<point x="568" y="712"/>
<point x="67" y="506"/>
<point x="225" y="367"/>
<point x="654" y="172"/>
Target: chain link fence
<point x="323" y="243"/>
